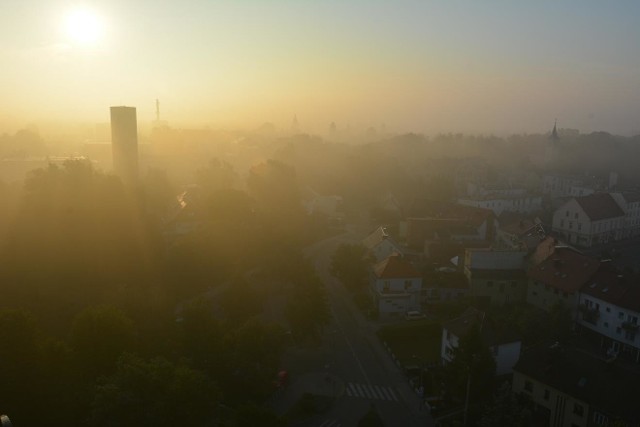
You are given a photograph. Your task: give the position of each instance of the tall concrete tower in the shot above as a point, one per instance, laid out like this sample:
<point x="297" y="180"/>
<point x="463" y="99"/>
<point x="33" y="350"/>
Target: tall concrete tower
<point x="124" y="143"/>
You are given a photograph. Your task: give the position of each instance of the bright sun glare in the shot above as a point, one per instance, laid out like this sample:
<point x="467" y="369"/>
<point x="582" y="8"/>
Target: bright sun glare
<point x="83" y="27"/>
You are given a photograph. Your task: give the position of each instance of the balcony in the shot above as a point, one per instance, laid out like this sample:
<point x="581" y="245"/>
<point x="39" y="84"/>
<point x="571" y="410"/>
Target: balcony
<point x="628" y="326"/>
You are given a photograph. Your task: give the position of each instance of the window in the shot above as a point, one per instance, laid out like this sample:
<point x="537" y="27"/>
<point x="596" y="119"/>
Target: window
<point x="606" y="324"/>
<point x="578" y="409"/>
<point x="528" y="386"/>
<point x="618" y="330"/>
<point x="608" y="310"/>
<point x="546" y="394"/>
<point x="407" y="285"/>
<point x="489" y="284"/>
<point x="566" y="214"/>
<point x="385" y="286"/>
<point x="579" y="226"/>
<point x="562" y="223"/>
<point x="620" y="315"/>
<point x="600" y="419"/>
<point x="630" y="335"/>
<point x="575" y="215"/>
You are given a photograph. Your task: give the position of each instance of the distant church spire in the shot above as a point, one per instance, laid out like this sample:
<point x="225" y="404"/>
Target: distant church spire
<point x="295" y="126"/>
<point x="554" y="133"/>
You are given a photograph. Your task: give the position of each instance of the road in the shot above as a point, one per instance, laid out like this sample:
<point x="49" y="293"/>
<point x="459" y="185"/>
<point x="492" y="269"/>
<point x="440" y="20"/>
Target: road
<point x="351" y="351"/>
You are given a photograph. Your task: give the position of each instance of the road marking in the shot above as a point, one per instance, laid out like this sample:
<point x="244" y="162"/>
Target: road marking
<point x="372" y="392"/>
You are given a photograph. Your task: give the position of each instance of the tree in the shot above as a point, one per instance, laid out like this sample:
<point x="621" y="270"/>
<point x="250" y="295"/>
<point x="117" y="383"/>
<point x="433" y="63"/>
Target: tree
<point x="154" y="393"/>
<point x="349" y="264"/>
<point x="254" y="351"/>
<point x="307" y="307"/>
<point x="240" y="301"/>
<point x="18" y="363"/>
<point x="216" y="175"/>
<point x="98" y="336"/>
<point x="506" y="409"/>
<point x="371" y="419"/>
<point x="251" y="415"/>
<point x="472" y="369"/>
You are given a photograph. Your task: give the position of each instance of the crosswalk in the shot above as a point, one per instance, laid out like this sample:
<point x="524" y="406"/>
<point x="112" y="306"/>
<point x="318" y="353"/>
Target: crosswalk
<point x="368" y="391"/>
<point x="330" y="423"/>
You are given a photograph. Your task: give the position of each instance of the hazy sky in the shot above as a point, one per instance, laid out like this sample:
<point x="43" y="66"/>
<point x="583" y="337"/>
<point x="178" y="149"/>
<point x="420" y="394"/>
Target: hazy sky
<point x="471" y="66"/>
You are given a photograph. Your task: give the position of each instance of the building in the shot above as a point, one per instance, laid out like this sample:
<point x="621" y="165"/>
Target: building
<point x="520" y="202"/>
<point x="569" y="387"/>
<point x="518" y="232"/>
<point x="497" y="276"/>
<point x="442" y="285"/>
<point x="559" y="278"/>
<point x="609" y="312"/>
<point x="380" y="245"/>
<point x="396" y="287"/>
<point x="590" y="220"/>
<point x="430" y="221"/>
<point x="504" y="346"/>
<point x="629" y="201"/>
<point x="124" y="143"/>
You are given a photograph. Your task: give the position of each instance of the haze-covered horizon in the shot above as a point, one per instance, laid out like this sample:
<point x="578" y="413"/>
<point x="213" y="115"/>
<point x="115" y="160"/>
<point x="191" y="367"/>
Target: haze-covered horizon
<point x="410" y="66"/>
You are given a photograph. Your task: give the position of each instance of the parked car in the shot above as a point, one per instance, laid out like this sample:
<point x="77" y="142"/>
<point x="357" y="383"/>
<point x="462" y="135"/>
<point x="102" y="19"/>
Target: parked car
<point x="414" y="315"/>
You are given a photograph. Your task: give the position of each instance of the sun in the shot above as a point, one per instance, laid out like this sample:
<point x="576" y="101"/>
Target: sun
<point x="83" y="27"/>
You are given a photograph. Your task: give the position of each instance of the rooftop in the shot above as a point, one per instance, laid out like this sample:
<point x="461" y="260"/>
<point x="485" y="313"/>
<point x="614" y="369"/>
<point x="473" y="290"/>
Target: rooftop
<point x="604" y="385"/>
<point x="600" y="206"/>
<point x="565" y="270"/>
<point x="394" y="267"/>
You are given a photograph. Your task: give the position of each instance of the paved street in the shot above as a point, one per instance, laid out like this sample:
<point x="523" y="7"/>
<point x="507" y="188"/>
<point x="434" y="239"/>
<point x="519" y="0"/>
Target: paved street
<point x="359" y="370"/>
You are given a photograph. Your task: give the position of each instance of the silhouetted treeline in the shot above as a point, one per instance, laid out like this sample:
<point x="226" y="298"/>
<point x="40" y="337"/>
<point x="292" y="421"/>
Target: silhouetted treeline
<point x="124" y="307"/>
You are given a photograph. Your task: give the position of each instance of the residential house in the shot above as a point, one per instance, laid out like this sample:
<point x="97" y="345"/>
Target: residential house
<point x="562" y="185"/>
<point x="443" y="284"/>
<point x="330" y="206"/>
<point x="504" y="345"/>
<point x="559" y="278"/>
<point x="569" y="387"/>
<point x="430" y="221"/>
<point x="497" y="276"/>
<point x="521" y="202"/>
<point x="609" y="312"/>
<point x="590" y="220"/>
<point x="395" y="286"/>
<point x="629" y="201"/>
<point x="380" y="245"/>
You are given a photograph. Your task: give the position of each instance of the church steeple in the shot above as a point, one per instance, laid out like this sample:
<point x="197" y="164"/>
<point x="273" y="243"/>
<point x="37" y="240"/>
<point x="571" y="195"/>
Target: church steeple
<point x="554" y="133"/>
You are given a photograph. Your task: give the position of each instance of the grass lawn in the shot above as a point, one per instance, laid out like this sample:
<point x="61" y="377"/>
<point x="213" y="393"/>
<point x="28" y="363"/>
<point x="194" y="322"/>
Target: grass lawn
<point x="421" y="339"/>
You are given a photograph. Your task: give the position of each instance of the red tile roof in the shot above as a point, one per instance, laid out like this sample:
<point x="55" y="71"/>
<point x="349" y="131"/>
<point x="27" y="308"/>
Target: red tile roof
<point x="565" y="270"/>
<point x="394" y="267"/>
<point x="599" y="206"/>
<point x="611" y="286"/>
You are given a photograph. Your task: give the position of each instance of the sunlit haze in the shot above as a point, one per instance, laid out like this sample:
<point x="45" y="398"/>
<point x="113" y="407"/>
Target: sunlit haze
<point x="411" y="65"/>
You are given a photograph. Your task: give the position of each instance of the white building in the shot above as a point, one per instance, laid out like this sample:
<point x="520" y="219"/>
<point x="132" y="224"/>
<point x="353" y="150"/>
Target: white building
<point x="609" y="309"/>
<point x="521" y="203"/>
<point x="590" y="220"/>
<point x="395" y="286"/>
<point x="504" y="347"/>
